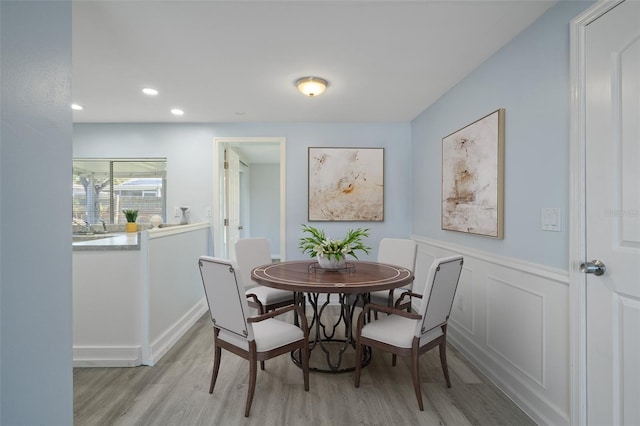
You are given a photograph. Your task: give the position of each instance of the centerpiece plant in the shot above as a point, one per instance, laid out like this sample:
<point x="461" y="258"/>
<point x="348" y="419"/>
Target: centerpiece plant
<point x="319" y="246"/>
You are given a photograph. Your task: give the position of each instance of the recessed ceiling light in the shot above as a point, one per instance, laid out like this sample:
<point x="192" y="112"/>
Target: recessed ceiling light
<point x="177" y="111"/>
<point x="149" y="91"/>
<point x="77" y="107"/>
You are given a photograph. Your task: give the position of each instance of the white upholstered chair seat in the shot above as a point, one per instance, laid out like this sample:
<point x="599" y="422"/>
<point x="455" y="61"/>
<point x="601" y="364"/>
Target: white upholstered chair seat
<point x="270" y="296"/>
<point x="382" y="297"/>
<point x="269" y="334"/>
<point x="397" y="331"/>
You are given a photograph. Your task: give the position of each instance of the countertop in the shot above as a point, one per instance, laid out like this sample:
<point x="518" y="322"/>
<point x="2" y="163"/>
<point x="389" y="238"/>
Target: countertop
<point x="124" y="241"/>
<point x="131" y="240"/>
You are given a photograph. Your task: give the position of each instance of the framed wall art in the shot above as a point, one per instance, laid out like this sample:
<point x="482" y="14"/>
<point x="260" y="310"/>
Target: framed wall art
<point x="473" y="177"/>
<point x="346" y="184"/>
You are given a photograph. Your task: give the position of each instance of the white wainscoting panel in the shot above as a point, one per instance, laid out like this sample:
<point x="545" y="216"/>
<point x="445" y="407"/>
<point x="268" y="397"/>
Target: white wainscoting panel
<point x="462" y="312"/>
<point x="510" y="318"/>
<point x="515" y="327"/>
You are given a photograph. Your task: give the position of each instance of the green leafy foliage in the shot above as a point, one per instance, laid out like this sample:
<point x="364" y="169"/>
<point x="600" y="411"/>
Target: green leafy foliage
<point x="131" y="215"/>
<point x="316" y="243"/>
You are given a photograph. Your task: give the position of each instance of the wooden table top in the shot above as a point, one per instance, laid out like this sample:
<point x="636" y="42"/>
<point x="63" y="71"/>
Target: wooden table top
<point x="307" y="276"/>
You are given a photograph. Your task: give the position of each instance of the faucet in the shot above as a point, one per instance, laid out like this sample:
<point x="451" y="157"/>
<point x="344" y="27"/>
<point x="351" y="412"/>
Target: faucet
<point x="86" y="227"/>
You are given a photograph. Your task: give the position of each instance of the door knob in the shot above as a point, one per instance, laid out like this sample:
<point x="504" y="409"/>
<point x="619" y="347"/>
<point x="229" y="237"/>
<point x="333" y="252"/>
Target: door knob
<point x="595" y="267"/>
<point x="240" y="227"/>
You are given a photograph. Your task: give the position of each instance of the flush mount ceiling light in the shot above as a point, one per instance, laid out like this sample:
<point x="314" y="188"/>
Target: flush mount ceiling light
<point x="311" y="86"/>
<point x="149" y="91"/>
<point x="177" y="111"/>
<point x="76" y="107"/>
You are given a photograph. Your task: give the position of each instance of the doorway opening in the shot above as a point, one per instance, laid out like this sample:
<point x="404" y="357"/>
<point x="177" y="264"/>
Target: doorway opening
<point x="249" y="193"/>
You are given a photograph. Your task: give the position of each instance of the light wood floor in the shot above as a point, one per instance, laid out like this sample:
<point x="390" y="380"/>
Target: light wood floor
<point x="175" y="392"/>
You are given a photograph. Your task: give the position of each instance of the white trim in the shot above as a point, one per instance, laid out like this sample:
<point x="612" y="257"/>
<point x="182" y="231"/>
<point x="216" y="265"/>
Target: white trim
<point x="107" y="356"/>
<point x="283" y="200"/>
<point x="145" y="286"/>
<point x="577" y="227"/>
<point x="176" y="229"/>
<point x="508" y="262"/>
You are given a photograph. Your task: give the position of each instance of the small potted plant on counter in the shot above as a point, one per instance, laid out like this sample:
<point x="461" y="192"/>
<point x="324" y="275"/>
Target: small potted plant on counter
<point x="132" y="216"/>
<point x="332" y="254"/>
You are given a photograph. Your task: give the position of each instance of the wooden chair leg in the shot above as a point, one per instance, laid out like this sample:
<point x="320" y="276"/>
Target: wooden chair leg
<point x="443" y="362"/>
<point x="262" y="365"/>
<point x="253" y="371"/>
<point x="394" y="359"/>
<point x="358" y="361"/>
<point x="305" y="366"/>
<point x="216" y="367"/>
<point x="416" y="377"/>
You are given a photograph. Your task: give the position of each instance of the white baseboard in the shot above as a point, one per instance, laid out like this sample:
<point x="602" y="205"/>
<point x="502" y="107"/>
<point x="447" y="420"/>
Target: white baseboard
<point x="160" y="346"/>
<point x="112" y="356"/>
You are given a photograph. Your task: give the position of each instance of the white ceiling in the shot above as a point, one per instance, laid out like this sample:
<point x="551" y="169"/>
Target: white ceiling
<point x="237" y="61"/>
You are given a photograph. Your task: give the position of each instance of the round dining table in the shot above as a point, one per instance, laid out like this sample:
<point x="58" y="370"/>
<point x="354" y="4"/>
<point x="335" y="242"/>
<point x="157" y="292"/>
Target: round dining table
<point x="351" y="285"/>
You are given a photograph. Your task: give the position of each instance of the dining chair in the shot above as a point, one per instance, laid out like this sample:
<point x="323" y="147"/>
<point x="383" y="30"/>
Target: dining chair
<point x="400" y="252"/>
<point x="406" y="333"/>
<point x="252" y="252"/>
<point x="254" y="338"/>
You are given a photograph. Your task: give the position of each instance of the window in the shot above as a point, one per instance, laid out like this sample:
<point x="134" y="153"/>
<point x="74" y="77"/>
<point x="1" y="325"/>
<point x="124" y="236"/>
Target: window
<point x="102" y="188"/>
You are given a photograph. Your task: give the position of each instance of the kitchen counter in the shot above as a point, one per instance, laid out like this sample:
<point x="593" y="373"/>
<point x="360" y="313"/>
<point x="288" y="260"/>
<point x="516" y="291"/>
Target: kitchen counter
<point x="136" y="294"/>
<point x="124" y="241"/>
<point x="127" y="240"/>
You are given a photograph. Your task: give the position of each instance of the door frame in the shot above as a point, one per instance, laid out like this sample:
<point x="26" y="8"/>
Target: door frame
<point x="577" y="207"/>
<point x="218" y="189"/>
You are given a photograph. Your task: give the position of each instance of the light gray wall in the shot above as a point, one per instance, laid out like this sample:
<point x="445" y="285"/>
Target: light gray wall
<point x="264" y="189"/>
<point x="189" y="152"/>
<point x="530" y="79"/>
<point x="35" y="165"/>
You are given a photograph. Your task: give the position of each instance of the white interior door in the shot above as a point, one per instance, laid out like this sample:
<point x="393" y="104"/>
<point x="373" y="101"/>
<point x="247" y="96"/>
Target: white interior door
<point x="232" y="198"/>
<point x="612" y="97"/>
<point x="266" y="149"/>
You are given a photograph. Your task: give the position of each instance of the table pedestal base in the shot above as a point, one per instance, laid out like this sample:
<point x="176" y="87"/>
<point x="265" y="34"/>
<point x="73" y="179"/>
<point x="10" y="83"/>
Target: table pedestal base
<point x="331" y="340"/>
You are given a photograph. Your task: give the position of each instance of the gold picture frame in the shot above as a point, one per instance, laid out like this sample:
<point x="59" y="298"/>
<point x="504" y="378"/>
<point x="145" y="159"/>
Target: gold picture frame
<point x="473" y="177"/>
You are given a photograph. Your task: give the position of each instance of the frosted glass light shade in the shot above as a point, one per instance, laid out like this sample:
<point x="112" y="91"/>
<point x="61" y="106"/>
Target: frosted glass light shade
<point x="311" y="86"/>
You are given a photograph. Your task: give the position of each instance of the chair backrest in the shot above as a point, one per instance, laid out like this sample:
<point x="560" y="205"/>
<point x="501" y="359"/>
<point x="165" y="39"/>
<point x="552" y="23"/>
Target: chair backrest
<point x="251" y="252"/>
<point x="225" y="295"/>
<point x="439" y="291"/>
<point x="398" y="251"/>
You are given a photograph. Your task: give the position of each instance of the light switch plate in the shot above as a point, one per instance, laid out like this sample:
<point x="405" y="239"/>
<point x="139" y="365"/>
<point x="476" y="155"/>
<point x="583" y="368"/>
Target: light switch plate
<point x="550" y="219"/>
